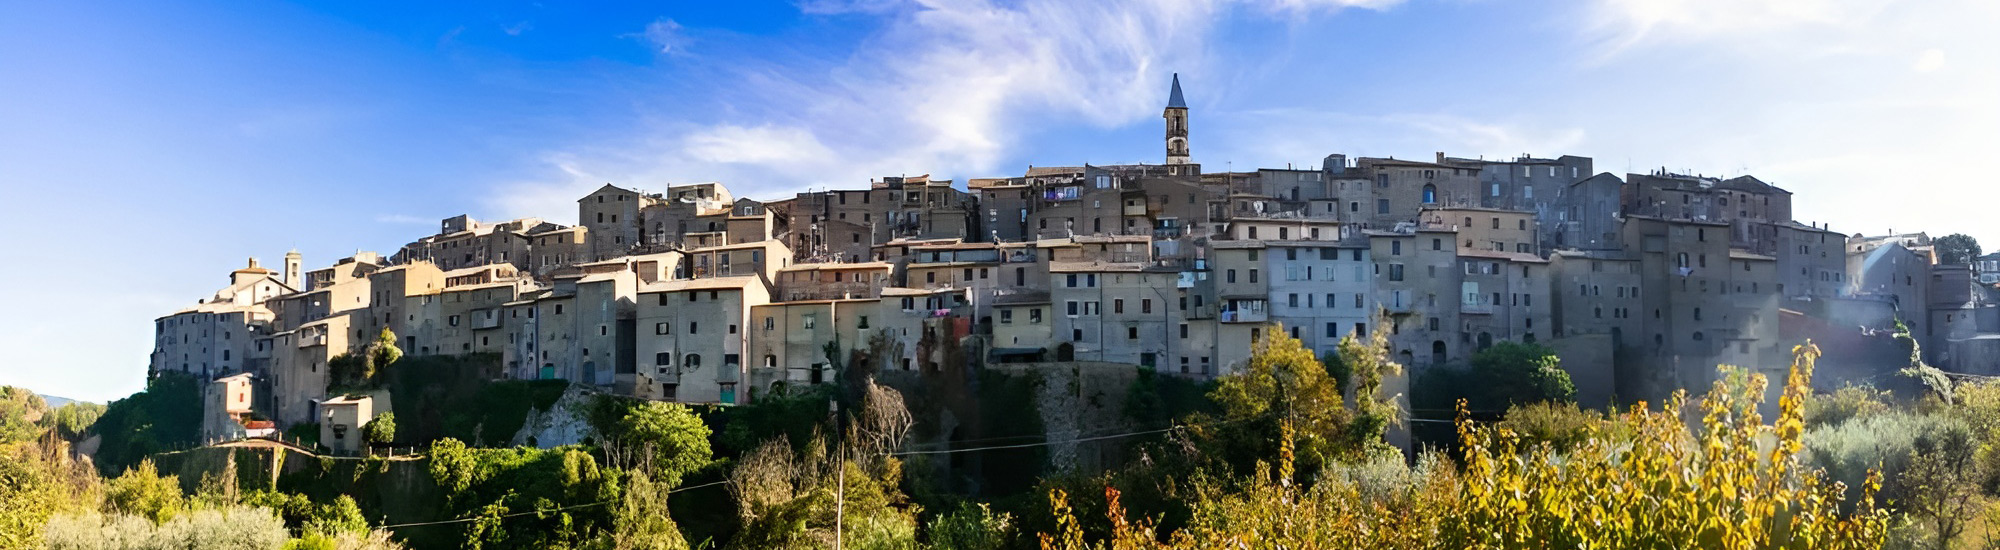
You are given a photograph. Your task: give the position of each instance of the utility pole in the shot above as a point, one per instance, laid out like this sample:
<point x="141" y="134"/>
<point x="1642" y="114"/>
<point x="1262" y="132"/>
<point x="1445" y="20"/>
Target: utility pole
<point x="840" y="475"/>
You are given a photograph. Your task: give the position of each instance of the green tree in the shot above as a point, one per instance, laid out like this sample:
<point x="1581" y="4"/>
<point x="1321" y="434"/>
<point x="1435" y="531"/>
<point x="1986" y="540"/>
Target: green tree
<point x="72" y="421"/>
<point x="381" y="430"/>
<point x="1284" y="389"/>
<point x="165" y="416"/>
<point x="1513" y="373"/>
<point x="342" y="516"/>
<point x="143" y="492"/>
<point x="665" y="440"/>
<point x="1956" y="249"/>
<point x="21" y="414"/>
<point x="641" y="520"/>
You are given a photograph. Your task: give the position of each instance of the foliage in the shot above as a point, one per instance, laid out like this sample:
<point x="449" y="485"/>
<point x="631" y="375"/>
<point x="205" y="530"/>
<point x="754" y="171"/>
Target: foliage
<point x="165" y="416"/>
<point x="789" y="499"/>
<point x="39" y="480"/>
<point x="364" y="369"/>
<point x="1850" y="451"/>
<point x="463" y="398"/>
<point x="21" y="413"/>
<point x="73" y="420"/>
<point x="381" y="430"/>
<point x="663" y="440"/>
<point x="143" y="492"/>
<point x="970" y="527"/>
<point x="1284" y="403"/>
<point x="1561" y="425"/>
<point x="230" y="528"/>
<point x="1956" y="249"/>
<point x="641" y="521"/>
<point x="490" y="483"/>
<point x="342" y="516"/>
<point x="1941" y="484"/>
<point x="794" y="414"/>
<point x="1732" y="482"/>
<point x="1514" y="373"/>
<point x="1848" y="402"/>
<point x="307" y="434"/>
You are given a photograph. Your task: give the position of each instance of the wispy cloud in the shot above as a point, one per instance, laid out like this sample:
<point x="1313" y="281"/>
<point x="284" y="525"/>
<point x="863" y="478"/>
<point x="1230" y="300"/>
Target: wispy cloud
<point x="943" y="89"/>
<point x="403" y="219"/>
<point x="664" y="35"/>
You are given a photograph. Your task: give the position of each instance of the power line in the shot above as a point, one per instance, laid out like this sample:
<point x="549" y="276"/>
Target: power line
<point x="542" y="511"/>
<point x="1077" y="440"/>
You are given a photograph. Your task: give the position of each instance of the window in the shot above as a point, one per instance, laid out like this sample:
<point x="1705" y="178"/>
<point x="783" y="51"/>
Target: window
<point x="1006" y="316"/>
<point x="1437" y="244"/>
<point x="1035" y="315"/>
<point x="811" y="321"/>
<point x="1131" y="333"/>
<point x="769" y="323"/>
<point x="1071" y="307"/>
<point x="1382" y="206"/>
<point x="693" y="327"/>
<point x="663" y="359"/>
<point x="1395" y="248"/>
<point x="862" y="323"/>
<point x="1253" y="275"/>
<point x="1146" y="305"/>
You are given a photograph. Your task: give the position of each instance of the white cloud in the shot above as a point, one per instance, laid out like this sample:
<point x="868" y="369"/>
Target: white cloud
<point x="1819" y="96"/>
<point x="665" y="35"/>
<point x="1929" y="61"/>
<point x="947" y="88"/>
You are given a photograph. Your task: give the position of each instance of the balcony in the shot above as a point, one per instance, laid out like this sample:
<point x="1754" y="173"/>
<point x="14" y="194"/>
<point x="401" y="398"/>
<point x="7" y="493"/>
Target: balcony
<point x="1402" y="307"/>
<point x="1135" y="210"/>
<point x="1245" y="311"/>
<point x="1475" y="308"/>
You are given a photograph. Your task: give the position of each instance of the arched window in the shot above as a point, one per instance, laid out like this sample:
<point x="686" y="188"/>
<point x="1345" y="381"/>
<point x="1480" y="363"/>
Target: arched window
<point x="693" y="362"/>
<point x="771" y="361"/>
<point x="1430" y="194"/>
<point x="1437" y="351"/>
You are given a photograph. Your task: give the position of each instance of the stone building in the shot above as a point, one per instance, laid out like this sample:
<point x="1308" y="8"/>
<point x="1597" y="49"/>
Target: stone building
<point x="463" y="242"/>
<point x="1314" y="284"/>
<point x="1527" y="183"/>
<point x="1117" y="312"/>
<point x="1416" y="275"/>
<point x="1812" y="266"/>
<point x="1403" y="187"/>
<point x="832" y="281"/>
<point x="215" y="336"/>
<point x="1488" y="229"/>
<point x="691" y="338"/>
<point x="1585" y="216"/>
<point x="1702" y="304"/>
<point x="787" y="341"/>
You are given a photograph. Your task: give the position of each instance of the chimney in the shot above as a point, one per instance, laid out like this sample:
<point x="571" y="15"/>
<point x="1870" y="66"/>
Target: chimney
<point x="1440" y="157"/>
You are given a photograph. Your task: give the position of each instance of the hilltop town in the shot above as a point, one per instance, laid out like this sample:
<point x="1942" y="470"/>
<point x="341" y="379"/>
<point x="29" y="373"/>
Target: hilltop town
<point x="1642" y="283"/>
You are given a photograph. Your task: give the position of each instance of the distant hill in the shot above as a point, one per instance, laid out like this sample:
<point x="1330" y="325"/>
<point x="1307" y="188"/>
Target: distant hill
<point x="56" y="402"/>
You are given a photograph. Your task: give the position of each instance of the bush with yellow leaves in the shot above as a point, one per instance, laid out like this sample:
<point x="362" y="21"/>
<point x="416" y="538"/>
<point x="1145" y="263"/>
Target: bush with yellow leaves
<point x="1733" y="483"/>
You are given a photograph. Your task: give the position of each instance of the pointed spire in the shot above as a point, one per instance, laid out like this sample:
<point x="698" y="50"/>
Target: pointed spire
<point x="1174" y="100"/>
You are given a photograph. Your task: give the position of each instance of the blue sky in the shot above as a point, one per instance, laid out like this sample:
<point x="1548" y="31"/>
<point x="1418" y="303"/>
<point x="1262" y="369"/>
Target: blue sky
<point x="147" y="148"/>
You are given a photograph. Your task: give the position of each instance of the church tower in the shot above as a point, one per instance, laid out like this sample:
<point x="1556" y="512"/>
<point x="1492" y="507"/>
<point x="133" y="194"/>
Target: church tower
<point x="1177" y="120"/>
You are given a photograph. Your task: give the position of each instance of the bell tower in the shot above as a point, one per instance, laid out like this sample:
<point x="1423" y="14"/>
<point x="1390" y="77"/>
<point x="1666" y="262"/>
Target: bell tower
<point x="1177" y="121"/>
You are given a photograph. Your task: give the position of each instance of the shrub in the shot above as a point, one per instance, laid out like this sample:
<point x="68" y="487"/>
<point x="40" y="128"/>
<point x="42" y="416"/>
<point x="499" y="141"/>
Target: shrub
<point x="971" y="527"/>
<point x="1561" y="425"/>
<point x="1843" y="404"/>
